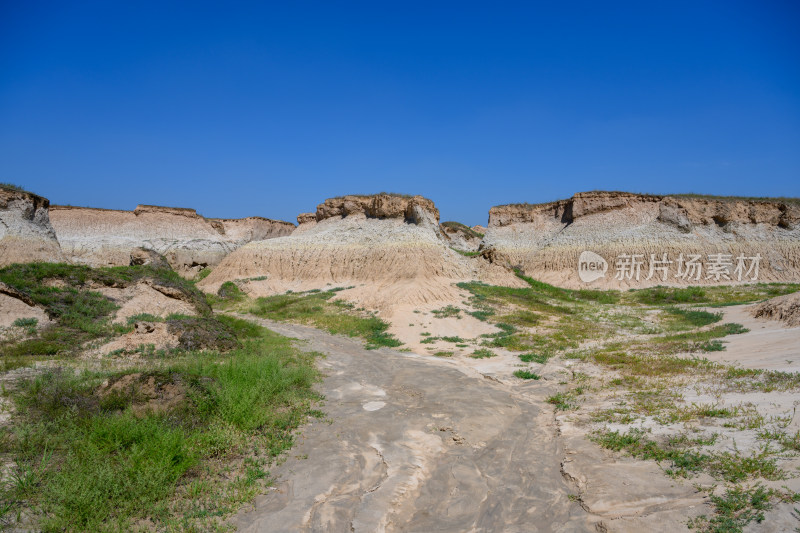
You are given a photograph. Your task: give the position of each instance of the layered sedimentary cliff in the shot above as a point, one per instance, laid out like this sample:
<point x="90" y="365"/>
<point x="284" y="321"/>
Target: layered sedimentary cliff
<point x="25" y="231"/>
<point x="632" y="232"/>
<point x="388" y="247"/>
<point x="414" y="209"/>
<point x="189" y="241"/>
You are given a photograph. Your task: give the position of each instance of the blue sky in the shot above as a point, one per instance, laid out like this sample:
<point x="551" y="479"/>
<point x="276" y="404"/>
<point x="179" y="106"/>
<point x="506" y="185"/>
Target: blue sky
<point x="262" y="108"/>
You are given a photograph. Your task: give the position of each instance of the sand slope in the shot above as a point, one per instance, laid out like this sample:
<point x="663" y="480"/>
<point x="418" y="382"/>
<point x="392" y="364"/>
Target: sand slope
<point x="190" y="242"/>
<point x="388" y="248"/>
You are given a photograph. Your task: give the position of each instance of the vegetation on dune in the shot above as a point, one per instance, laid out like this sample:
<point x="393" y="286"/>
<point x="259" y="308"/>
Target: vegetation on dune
<point x="652" y="342"/>
<point x="462" y="228"/>
<point x="79" y="313"/>
<point x="526" y="374"/>
<point x="157" y="441"/>
<point x="319" y="309"/>
<point x="93" y="456"/>
<point x="482" y="353"/>
<point x="684" y="461"/>
<point x="447" y="311"/>
<point x="465" y="253"/>
<point x="179" y="441"/>
<point x="711" y="295"/>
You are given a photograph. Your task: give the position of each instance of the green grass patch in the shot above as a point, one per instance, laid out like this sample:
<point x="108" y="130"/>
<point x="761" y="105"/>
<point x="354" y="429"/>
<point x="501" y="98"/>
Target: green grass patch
<point x="466" y="253"/>
<point x="716" y="295"/>
<point x="482" y="353"/>
<point x="89" y="457"/>
<point x="318" y="309"/>
<point x="526" y="374"/>
<point x="446" y="312"/>
<point x="79" y="313"/>
<point x="684" y="460"/>
<point x="481" y="314"/>
<point x="736" y="508"/>
<point x="562" y="401"/>
<point x="678" y="318"/>
<point x="229" y="291"/>
<point x="523" y="318"/>
<point x="533" y="358"/>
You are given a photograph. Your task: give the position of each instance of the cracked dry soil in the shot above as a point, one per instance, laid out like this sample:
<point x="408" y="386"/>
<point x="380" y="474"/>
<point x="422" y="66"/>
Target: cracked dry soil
<point x="416" y="443"/>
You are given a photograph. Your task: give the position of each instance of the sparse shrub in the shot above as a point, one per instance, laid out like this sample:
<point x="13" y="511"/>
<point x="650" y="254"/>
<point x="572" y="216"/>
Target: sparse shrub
<point x="534" y="358"/>
<point x="563" y="402"/>
<point x="447" y="311"/>
<point x="26" y="322"/>
<point x="735" y="509"/>
<point x="483" y="353"/>
<point x="202" y="275"/>
<point x="230" y="291"/>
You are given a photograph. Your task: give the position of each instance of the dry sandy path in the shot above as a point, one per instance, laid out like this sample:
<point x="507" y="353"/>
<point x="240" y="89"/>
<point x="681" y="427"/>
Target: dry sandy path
<point x="413" y="443"/>
<point x="769" y="344"/>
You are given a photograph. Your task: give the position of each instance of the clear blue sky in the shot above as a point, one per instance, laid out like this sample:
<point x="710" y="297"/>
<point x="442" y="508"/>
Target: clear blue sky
<point x="262" y="108"/>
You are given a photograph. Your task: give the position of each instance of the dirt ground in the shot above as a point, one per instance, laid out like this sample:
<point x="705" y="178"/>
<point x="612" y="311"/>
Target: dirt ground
<point x="419" y="443"/>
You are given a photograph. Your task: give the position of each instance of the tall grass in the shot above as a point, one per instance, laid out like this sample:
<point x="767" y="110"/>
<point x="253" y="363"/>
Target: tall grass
<point x="92" y="462"/>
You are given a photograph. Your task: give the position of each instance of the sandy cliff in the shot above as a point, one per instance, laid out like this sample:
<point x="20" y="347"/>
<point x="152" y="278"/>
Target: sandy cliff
<point x="460" y="237"/>
<point x="25" y="231"/>
<point x="189" y="241"/>
<point x="388" y="247"/>
<point x="546" y="240"/>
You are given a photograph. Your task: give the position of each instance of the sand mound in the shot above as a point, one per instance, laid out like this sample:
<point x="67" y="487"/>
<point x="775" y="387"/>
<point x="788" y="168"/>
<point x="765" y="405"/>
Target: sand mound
<point x="388" y="248"/>
<point x="783" y="308"/>
<point x="149" y="334"/>
<point x="188" y="241"/>
<point x="546" y="240"/>
<point x="149" y="394"/>
<point x="25" y="231"/>
<point x="143" y="298"/>
<point x="13" y="308"/>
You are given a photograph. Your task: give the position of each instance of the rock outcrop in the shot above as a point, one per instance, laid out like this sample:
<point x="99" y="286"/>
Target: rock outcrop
<point x="188" y="241"/>
<point x="411" y="208"/>
<point x="388" y="248"/>
<point x="460" y="237"/>
<point x="546" y="240"/>
<point x="306" y="218"/>
<point x="25" y="232"/>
